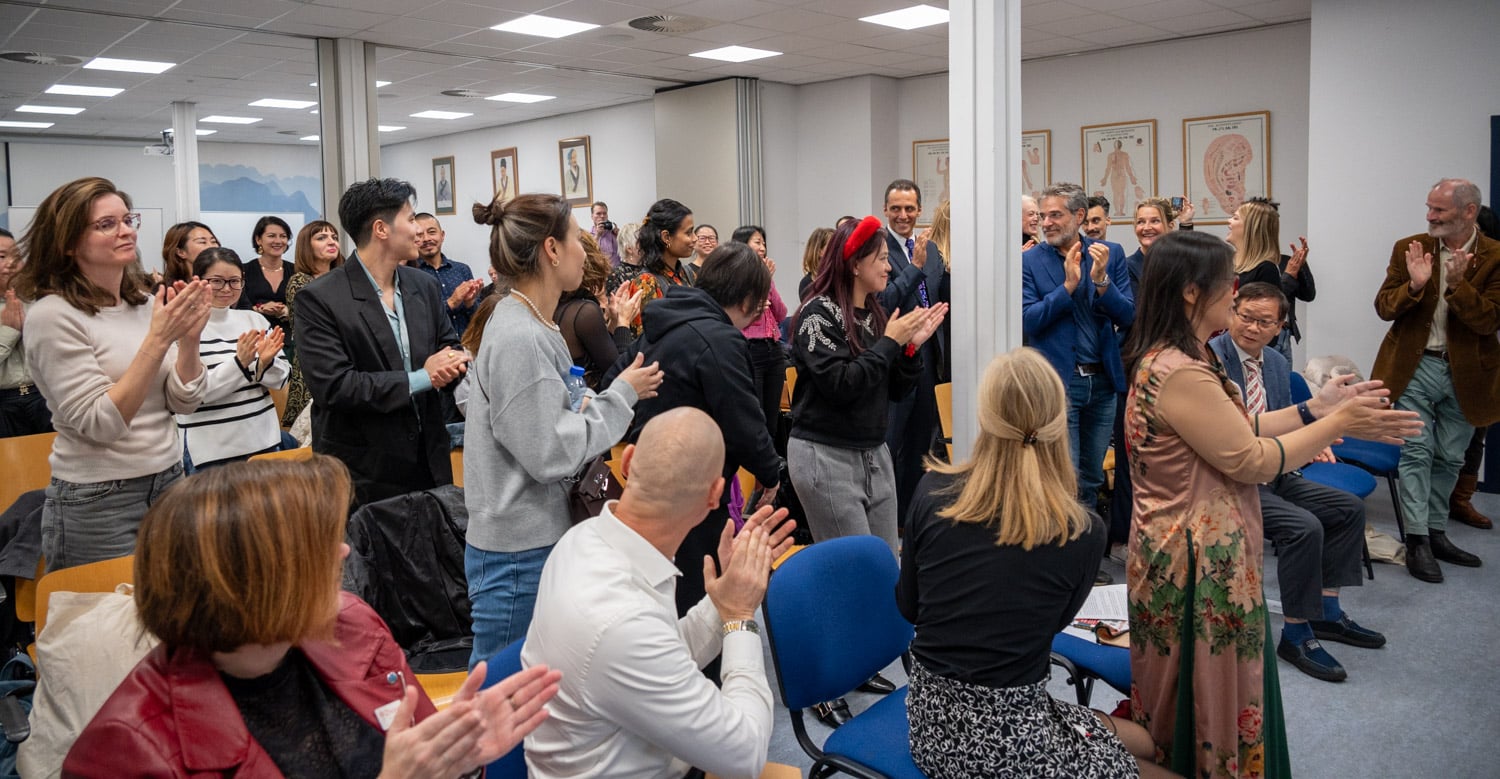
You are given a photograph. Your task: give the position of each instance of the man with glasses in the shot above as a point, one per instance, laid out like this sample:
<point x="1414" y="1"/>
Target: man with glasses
<point x="1318" y="531"/>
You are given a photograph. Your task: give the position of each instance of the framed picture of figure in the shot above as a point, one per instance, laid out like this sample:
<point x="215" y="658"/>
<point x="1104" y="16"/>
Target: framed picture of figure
<point x="1036" y="161"/>
<point x="1119" y="163"/>
<point x="575" y="166"/>
<point x="1225" y="159"/>
<point x="443" y="185"/>
<point x="929" y="168"/>
<point x="504" y="174"/>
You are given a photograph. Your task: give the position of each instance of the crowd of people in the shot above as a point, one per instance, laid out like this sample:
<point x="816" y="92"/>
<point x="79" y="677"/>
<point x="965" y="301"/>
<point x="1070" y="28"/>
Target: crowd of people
<point x="1177" y="356"/>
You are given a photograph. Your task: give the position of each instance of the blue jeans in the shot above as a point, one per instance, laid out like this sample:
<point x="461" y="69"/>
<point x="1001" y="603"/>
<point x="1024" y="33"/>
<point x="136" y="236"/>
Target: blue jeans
<point x="89" y="522"/>
<point x="1091" y="417"/>
<point x="502" y="591"/>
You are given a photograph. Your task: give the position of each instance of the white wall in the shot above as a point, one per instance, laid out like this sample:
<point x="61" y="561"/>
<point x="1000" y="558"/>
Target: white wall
<point x="1401" y="95"/>
<point x="621" y="138"/>
<point x="38" y="168"/>
<point x="700" y="127"/>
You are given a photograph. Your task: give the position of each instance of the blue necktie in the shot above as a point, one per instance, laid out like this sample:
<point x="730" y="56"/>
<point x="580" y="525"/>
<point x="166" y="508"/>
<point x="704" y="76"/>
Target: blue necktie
<point x="911" y="247"/>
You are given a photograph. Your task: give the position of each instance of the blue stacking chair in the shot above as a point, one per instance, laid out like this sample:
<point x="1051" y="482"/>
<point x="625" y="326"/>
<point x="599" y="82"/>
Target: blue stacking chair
<point x="505" y="663"/>
<point x="1085" y="661"/>
<point x="833" y="623"/>
<point x="1376" y="458"/>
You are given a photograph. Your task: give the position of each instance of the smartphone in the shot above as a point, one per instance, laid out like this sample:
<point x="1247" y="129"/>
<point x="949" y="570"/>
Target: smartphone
<point x="1177" y="203"/>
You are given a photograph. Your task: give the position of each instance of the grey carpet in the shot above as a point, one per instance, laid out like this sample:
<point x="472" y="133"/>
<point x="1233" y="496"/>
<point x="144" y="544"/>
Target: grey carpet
<point x="1419" y="707"/>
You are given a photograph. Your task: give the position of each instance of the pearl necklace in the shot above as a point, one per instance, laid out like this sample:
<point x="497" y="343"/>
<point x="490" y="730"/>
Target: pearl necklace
<point x="536" y="311"/>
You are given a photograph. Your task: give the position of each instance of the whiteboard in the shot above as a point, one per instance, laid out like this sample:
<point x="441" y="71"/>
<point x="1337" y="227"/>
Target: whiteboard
<point x="234" y="230"/>
<point x="148" y="237"/>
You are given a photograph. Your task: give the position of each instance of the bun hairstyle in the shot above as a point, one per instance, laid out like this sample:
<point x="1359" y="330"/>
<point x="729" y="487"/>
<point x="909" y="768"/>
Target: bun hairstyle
<point x="519" y="227"/>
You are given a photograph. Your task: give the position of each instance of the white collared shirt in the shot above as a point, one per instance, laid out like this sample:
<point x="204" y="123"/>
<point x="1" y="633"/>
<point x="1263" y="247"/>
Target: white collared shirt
<point x="1437" y="337"/>
<point x="633" y="701"/>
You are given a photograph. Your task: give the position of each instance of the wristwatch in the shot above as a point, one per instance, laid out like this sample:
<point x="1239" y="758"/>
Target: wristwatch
<point x="741" y="624"/>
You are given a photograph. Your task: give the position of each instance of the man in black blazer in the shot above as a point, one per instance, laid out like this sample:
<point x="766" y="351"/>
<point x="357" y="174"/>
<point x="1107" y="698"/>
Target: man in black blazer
<point x="376" y="347"/>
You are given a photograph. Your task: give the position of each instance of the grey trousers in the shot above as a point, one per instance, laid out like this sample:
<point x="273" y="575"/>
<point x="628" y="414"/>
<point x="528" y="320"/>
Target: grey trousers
<point x="844" y="492"/>
<point x="1319" y="535"/>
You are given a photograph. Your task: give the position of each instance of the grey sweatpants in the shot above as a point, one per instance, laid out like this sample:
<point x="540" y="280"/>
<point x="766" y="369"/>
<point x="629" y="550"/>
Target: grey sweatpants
<point x="844" y="492"/>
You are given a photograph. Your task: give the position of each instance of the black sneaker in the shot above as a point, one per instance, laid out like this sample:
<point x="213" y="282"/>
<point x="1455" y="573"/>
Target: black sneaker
<point x="1302" y="655"/>
<point x="1347" y="631"/>
<point x="1102" y="578"/>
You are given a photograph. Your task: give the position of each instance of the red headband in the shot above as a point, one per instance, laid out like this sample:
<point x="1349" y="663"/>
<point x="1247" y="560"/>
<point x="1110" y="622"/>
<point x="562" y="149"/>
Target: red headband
<point x="862" y="233"/>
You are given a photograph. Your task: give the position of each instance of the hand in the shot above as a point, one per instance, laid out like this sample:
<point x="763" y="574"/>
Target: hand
<point x="1185" y="216"/>
<point x="1073" y="268"/>
<point x="767" y="495"/>
<point x="919" y="249"/>
<point x="775" y="522"/>
<point x="934" y="320"/>
<point x="273" y="309"/>
<point x="1341" y="388"/>
<point x="1028" y="245"/>
<point x="1455" y="267"/>
<point x="745" y="560"/>
<point x="14" y="314"/>
<point x="643" y="378"/>
<point x="1372" y="418"/>
<point x="179" y="310"/>
<point x="511" y="709"/>
<point x="464" y="294"/>
<point x="622" y="307"/>
<point x="445" y="744"/>
<point x="444" y="366"/>
<point x="1325" y="456"/>
<point x="1418" y="267"/>
<point x="270" y="346"/>
<point x="1299" y="258"/>
<point x="1099" y="268"/>
<point x="901" y="328"/>
<point x="246" y="347"/>
<point x="770" y="263"/>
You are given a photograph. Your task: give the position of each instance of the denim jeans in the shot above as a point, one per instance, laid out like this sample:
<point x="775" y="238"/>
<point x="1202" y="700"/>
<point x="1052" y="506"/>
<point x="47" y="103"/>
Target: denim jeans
<point x="86" y="523"/>
<point x="1091" y="416"/>
<point x="502" y="591"/>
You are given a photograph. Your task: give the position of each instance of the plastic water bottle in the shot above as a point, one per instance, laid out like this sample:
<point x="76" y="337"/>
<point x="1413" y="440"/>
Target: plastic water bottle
<point x="577" y="388"/>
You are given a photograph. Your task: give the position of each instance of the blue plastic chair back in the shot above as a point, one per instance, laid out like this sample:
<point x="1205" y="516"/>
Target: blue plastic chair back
<point x="832" y="620"/>
<point x="1340" y="476"/>
<point x="505" y="663"/>
<point x="1300" y="390"/>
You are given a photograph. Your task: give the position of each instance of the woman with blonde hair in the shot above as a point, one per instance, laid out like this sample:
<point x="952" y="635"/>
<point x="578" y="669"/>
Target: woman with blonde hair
<point x="939" y="241"/>
<point x="999" y="556"/>
<point x="265" y="667"/>
<point x="1255" y="234"/>
<point x="812" y="255"/>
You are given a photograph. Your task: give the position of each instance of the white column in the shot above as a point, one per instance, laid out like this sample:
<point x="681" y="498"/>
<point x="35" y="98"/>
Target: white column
<point x="984" y="126"/>
<point x="347" y="117"/>
<point x="185" y="159"/>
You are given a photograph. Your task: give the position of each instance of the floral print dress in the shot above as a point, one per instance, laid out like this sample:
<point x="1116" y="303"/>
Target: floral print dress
<point x="1204" y="677"/>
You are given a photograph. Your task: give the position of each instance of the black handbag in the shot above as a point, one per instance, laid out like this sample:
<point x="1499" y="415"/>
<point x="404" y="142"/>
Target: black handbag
<point x="594" y="486"/>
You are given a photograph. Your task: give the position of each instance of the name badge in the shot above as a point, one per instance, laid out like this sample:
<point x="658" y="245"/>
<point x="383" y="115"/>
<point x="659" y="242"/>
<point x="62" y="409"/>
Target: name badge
<point x="385" y="715"/>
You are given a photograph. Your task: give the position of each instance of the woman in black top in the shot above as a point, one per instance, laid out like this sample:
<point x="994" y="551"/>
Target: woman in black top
<point x="998" y="558"/>
<point x="851" y="362"/>
<point x="596" y="327"/>
<point x="266" y="275"/>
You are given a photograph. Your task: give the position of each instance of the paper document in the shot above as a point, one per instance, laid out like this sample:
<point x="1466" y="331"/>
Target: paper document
<point x="1107" y="602"/>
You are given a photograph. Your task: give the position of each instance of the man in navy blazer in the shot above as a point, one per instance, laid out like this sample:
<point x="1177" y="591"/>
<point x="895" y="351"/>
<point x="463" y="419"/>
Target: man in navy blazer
<point x="1074" y="293"/>
<point x="916" y="279"/>
<point x="376" y="347"/>
<point x="1318" y="531"/>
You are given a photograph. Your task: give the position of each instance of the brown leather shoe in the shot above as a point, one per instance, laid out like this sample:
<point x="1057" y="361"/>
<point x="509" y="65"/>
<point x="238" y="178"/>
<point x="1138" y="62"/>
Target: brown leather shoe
<point x="1459" y="507"/>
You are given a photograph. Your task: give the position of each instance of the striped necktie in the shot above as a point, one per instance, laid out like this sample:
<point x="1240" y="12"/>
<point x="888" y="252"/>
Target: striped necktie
<point x="1255" y="387"/>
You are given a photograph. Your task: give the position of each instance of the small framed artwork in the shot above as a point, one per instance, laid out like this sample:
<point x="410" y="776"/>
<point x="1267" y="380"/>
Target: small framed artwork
<point x="929" y="168"/>
<point x="1036" y="161"/>
<point x="443" y="185"/>
<point x="1225" y="160"/>
<point x="504" y="174"/>
<point x="576" y="167"/>
<point x="1119" y="163"/>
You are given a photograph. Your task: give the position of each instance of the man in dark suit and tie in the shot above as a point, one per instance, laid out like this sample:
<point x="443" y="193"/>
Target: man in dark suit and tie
<point x="376" y="346"/>
<point x="914" y="281"/>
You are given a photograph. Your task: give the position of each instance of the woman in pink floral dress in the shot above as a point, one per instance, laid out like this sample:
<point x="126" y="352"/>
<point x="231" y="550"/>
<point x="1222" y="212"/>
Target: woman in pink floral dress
<point x="1198" y="638"/>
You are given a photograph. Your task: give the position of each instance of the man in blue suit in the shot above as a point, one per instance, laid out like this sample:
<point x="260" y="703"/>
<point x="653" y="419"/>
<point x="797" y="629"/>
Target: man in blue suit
<point x="1074" y="293"/>
<point x="1318" y="531"/>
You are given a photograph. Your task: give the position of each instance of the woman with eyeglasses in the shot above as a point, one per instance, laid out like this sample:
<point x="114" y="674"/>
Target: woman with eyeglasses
<point x="705" y="240"/>
<point x="241" y="352"/>
<point x="318" y="252"/>
<point x="118" y="363"/>
<point x="181" y="246"/>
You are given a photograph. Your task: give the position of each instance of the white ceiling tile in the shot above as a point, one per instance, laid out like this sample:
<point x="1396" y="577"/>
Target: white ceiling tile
<point x="726" y="10"/>
<point x="1057" y="11"/>
<point x="1166" y="9"/>
<point x="1123" y="36"/>
<point x="1205" y="22"/>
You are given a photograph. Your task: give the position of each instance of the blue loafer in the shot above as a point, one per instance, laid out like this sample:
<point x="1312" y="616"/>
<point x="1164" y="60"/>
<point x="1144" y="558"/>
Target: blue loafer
<point x="1303" y="655"/>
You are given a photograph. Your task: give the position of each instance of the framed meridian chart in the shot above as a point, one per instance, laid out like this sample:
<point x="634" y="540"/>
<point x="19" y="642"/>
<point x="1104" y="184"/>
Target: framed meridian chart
<point x="929" y="168"/>
<point x="1119" y="162"/>
<point x="1225" y="159"/>
<point x="1036" y="161"/>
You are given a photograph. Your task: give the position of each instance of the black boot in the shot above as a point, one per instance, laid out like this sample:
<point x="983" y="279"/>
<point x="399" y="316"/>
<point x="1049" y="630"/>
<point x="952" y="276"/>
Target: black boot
<point x="1444" y="550"/>
<point x="1420" y="562"/>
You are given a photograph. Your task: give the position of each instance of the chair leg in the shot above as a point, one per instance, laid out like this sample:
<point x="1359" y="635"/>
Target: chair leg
<point x="1369" y="565"/>
<point x="1391" y="481"/>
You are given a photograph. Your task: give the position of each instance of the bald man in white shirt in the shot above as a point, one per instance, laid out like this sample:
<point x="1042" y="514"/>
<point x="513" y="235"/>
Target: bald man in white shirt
<point x="633" y="701"/>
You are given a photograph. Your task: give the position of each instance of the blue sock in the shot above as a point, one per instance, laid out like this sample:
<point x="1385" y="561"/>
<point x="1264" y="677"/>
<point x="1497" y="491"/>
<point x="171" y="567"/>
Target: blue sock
<point x="1331" y="610"/>
<point x="1296" y="632"/>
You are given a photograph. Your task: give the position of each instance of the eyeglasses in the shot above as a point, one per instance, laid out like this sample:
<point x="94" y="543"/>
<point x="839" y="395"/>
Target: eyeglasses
<point x="110" y="224"/>
<point x="1261" y="323"/>
<point x="222" y="283"/>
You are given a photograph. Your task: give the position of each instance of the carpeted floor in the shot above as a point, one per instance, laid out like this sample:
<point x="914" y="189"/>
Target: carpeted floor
<point x="1422" y="706"/>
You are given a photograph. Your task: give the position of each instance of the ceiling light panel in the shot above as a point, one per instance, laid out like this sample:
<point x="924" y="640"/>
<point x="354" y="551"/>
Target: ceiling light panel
<point x="273" y="102"/>
<point x="73" y="89"/>
<point x="218" y="119"/>
<point x="544" y="26"/>
<point x="49" y="109"/>
<point x="128" y="66"/>
<point x="912" y="18"/>
<point x="440" y="115"/>
<point x="391" y="128"/>
<point x="736" y="54"/>
<point x="520" y="97"/>
<point x="26" y="125"/>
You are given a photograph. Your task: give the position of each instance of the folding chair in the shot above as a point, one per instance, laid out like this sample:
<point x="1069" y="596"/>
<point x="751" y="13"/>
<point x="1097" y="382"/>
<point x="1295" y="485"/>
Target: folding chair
<point x="1086" y="661"/>
<point x="1378" y="459"/>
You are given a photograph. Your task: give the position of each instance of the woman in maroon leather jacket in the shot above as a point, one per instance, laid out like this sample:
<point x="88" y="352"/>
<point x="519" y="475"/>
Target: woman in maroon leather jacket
<point x="265" y="668"/>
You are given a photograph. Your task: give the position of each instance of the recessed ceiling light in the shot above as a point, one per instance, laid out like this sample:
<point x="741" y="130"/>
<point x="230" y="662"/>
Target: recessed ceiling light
<point x="439" y="115"/>
<point x="736" y="54"/>
<point x="27" y="125"/>
<point x="308" y="138"/>
<point x="314" y="111"/>
<point x="520" y="97"/>
<point x="544" y="26"/>
<point x="390" y="128"/>
<point x="70" y="89"/>
<point x="910" y="18"/>
<point x="378" y="84"/>
<point x="230" y="119"/>
<point x="128" y="66"/>
<point x="48" y="109"/>
<point x="196" y="131"/>
<point x="272" y="102"/>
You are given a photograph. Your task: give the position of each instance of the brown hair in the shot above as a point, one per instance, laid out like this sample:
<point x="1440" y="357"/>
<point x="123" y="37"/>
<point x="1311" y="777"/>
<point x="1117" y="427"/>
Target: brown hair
<point x="519" y="227"/>
<point x="812" y="254"/>
<point x="304" y="251"/>
<point x="595" y="265"/>
<point x="50" y="268"/>
<point x="174" y="268"/>
<point x="247" y="553"/>
<point x="1163" y="207"/>
<point x="474" y="333"/>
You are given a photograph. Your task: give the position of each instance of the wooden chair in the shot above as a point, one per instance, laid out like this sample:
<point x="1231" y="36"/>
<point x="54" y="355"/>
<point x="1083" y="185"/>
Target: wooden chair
<point x="295" y="455"/>
<point x="23" y="460"/>
<point x="278" y="396"/>
<point x="617" y="462"/>
<point x="944" y="393"/>
<point x="102" y="576"/>
<point x="456" y="457"/>
<point x="442" y="687"/>
<point x="786" y="389"/>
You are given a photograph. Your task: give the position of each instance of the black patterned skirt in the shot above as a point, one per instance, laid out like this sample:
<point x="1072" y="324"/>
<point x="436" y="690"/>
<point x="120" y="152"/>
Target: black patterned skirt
<point x="967" y="731"/>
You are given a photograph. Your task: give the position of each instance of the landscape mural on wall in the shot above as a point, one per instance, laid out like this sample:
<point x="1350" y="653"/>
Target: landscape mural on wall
<point x="247" y="188"/>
